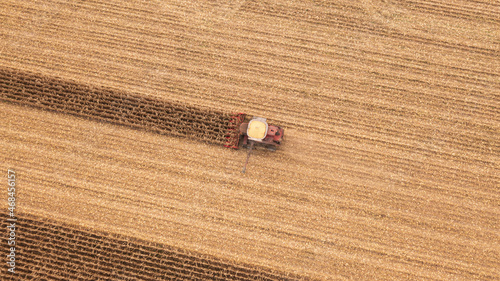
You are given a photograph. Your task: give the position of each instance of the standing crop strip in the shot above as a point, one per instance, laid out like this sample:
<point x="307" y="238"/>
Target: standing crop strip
<point x="119" y="107"/>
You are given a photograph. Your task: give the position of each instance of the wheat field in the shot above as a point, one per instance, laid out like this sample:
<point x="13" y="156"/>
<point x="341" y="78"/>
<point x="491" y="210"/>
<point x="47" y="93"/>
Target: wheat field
<point x="389" y="168"/>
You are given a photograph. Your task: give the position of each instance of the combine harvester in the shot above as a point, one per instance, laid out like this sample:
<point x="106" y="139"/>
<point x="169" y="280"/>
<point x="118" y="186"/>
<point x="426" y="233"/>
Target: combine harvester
<point x="255" y="132"/>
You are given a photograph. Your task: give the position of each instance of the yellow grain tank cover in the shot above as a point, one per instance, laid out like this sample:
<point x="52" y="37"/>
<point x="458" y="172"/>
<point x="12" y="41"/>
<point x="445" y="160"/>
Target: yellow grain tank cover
<point x="257" y="129"/>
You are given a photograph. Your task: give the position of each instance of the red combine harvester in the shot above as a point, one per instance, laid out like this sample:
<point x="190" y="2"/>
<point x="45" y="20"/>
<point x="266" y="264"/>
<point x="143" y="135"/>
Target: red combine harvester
<point x="255" y="132"/>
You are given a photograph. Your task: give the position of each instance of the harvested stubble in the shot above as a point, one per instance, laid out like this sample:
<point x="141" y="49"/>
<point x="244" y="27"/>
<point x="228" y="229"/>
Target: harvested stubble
<point x="51" y="250"/>
<point x="154" y="115"/>
<point x="390" y="166"/>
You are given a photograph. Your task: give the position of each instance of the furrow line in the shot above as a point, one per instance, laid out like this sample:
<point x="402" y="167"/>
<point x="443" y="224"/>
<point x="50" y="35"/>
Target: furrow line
<point x="237" y="62"/>
<point x="361" y="26"/>
<point x="449" y="10"/>
<point x="164" y="167"/>
<point x="356" y="249"/>
<point x="365" y="156"/>
<point x="124" y="58"/>
<point x="156" y="34"/>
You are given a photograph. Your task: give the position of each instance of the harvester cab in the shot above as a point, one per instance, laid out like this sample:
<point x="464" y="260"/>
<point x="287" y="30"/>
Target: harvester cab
<point x="257" y="129"/>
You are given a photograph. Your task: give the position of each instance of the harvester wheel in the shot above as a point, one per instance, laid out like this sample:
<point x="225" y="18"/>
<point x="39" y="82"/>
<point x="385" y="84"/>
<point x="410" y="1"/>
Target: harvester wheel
<point x="271" y="148"/>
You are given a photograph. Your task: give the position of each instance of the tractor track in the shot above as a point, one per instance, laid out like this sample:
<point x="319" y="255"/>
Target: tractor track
<point x="449" y="10"/>
<point x="449" y="181"/>
<point x="362" y="210"/>
<point x="328" y="181"/>
<point x="361" y="26"/>
<point x="128" y="29"/>
<point x="362" y="248"/>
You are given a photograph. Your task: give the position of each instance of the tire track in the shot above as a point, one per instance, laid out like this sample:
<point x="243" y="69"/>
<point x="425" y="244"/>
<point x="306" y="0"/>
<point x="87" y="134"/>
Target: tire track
<point x="129" y="30"/>
<point x="118" y="157"/>
<point x="454" y="11"/>
<point x="350" y="23"/>
<point x="125" y="159"/>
